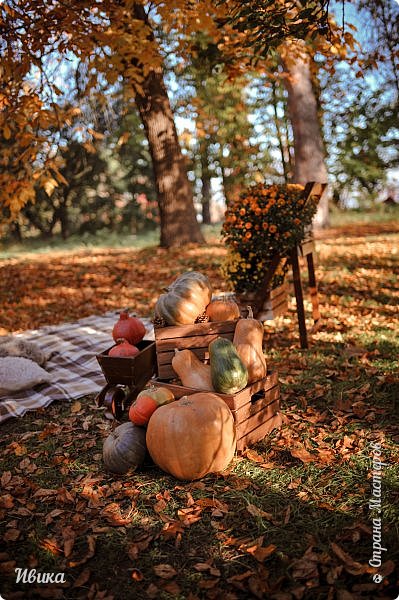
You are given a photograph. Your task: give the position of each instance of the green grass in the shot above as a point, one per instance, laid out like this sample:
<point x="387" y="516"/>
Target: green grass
<point x="104" y="239"/>
<point x="376" y="214"/>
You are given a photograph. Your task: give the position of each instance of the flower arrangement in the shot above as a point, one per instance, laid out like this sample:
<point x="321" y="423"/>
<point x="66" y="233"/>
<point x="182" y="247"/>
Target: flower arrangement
<point x="264" y="221"/>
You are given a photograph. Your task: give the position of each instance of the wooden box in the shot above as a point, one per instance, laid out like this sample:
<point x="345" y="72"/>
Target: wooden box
<point x="196" y="337"/>
<point x="133" y="371"/>
<point x="255" y="408"/>
<point x="274" y="304"/>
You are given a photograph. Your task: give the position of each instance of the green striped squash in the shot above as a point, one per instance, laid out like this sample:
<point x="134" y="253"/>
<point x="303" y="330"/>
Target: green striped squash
<point x="228" y="372"/>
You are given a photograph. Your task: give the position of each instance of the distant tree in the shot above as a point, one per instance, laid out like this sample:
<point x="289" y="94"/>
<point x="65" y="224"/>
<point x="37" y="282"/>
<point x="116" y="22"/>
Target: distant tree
<point x="107" y="183"/>
<point x="369" y="146"/>
<point x="383" y="36"/>
<point x="224" y="142"/>
<point x="360" y="104"/>
<point x="309" y="151"/>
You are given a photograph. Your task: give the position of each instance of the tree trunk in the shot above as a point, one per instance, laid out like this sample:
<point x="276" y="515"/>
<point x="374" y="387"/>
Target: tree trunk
<point x="288" y="143"/>
<point x="206" y="183"/>
<point x="278" y="132"/>
<point x="64" y="219"/>
<point x="16" y="231"/>
<point x="179" y="223"/>
<point x="302" y="106"/>
<point x="225" y="184"/>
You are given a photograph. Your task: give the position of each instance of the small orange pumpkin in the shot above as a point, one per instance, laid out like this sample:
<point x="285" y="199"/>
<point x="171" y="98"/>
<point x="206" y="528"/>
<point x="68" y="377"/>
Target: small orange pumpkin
<point x="147" y="402"/>
<point x="223" y="309"/>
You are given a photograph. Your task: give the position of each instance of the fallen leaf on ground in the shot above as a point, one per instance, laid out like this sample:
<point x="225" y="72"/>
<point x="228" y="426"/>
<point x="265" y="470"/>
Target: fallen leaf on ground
<point x="353" y="567"/>
<point x="83" y="578"/>
<point x="164" y="571"/>
<point x="258" y="512"/>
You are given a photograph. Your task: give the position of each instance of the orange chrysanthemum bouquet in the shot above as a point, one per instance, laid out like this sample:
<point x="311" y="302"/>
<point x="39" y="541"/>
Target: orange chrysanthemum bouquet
<point x="264" y="221"/>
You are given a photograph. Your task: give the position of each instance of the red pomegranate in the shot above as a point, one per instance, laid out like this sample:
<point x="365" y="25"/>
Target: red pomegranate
<point x="123" y="348"/>
<point x="129" y="328"/>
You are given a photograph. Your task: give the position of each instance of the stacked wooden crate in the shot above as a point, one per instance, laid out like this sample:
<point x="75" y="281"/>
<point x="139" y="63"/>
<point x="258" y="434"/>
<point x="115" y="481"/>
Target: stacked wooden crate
<point x="255" y="408"/>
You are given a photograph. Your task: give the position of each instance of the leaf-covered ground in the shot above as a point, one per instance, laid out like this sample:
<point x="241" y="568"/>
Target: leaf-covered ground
<point x="290" y="520"/>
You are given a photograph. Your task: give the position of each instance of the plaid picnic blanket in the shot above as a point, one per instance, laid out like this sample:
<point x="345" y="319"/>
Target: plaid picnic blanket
<point x="72" y="365"/>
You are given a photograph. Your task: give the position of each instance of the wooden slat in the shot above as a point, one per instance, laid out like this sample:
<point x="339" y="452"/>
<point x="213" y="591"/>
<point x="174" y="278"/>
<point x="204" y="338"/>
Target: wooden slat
<point x="233" y="401"/>
<point x="313" y="289"/>
<point x="197" y="341"/>
<point x="259" y="433"/>
<point x="278" y="291"/>
<point x="240" y="399"/>
<point x="281" y="308"/>
<point x="273" y="302"/>
<point x="296" y="274"/>
<point x="263" y="290"/>
<point x="306" y="248"/>
<point x="166" y="372"/>
<point x="252" y="408"/>
<point x="314" y="188"/>
<point x="198" y="329"/>
<point x="253" y="422"/>
<point x="165" y="358"/>
<point x="276" y="311"/>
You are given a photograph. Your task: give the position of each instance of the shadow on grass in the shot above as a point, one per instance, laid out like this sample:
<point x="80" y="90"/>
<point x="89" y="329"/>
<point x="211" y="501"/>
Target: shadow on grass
<point x="222" y="554"/>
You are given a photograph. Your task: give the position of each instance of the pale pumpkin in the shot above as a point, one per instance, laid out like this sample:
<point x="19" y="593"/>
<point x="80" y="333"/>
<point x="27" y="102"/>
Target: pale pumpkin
<point x="192" y="437"/>
<point x="223" y="309"/>
<point x="124" y="449"/>
<point x="191" y="371"/>
<point x="185" y="299"/>
<point x="248" y="340"/>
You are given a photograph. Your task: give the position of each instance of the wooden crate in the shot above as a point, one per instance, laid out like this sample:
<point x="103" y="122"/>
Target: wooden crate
<point x="196" y="337"/>
<point x="275" y="303"/>
<point x="255" y="408"/>
<point x="133" y="371"/>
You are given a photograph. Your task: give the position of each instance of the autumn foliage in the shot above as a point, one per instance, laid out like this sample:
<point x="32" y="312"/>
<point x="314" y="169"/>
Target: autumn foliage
<point x="113" y="42"/>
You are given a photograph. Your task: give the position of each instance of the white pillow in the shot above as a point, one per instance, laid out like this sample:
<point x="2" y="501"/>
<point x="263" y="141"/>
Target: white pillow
<point x="18" y="374"/>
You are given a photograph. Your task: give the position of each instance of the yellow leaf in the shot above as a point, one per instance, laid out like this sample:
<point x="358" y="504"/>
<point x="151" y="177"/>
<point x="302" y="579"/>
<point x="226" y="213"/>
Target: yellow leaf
<point x="50" y="185"/>
<point x="123" y="138"/>
<point x="6" y="132"/>
<point x="89" y="147"/>
<point x="76" y="407"/>
<point x="20" y="449"/>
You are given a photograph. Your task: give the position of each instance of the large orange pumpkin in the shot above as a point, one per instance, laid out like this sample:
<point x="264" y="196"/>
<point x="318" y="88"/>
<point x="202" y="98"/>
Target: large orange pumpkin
<point x="192" y="436"/>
